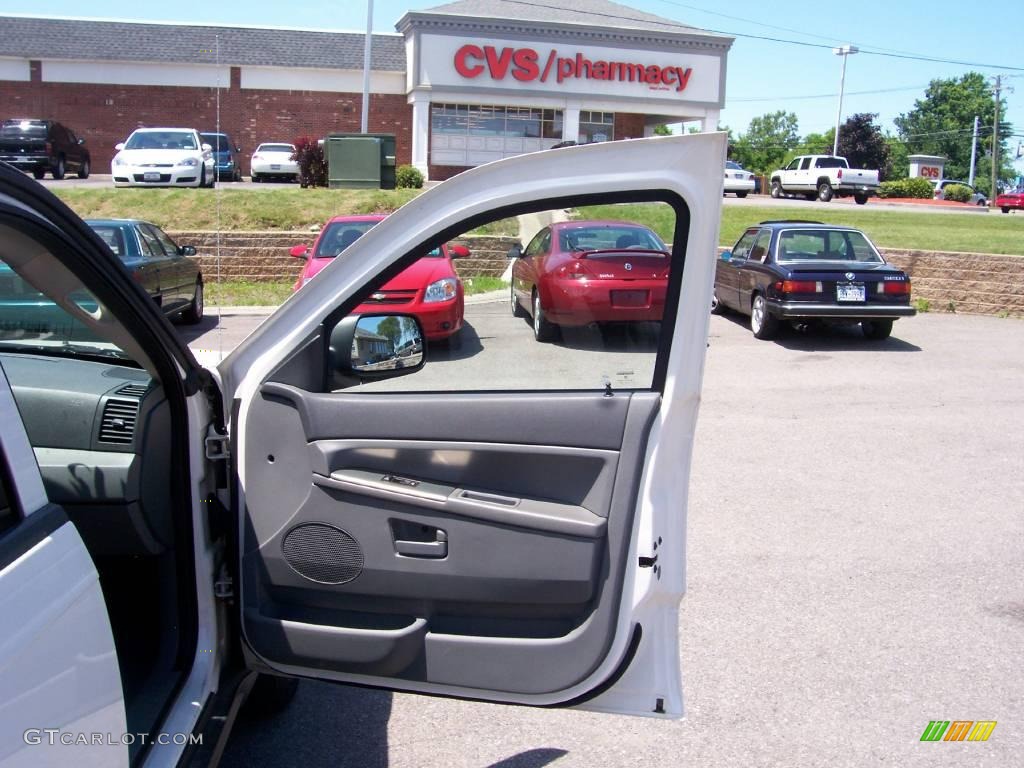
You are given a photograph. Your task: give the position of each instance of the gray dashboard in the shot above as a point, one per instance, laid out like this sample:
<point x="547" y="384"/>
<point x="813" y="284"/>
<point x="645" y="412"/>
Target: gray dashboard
<point x="100" y="432"/>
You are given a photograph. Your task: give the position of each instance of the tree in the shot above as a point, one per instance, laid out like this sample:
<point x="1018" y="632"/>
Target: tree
<point x="862" y="144"/>
<point x="767" y="140"/>
<point x="941" y="124"/>
<point x="390" y="329"/>
<point x="662" y="130"/>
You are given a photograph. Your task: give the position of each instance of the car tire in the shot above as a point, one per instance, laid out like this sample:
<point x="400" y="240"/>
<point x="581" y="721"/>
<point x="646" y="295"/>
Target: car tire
<point x="876" y="330"/>
<point x="741" y="195"/>
<point x="762" y="323"/>
<point x="717" y="308"/>
<point x="776" y="190"/>
<point x="825" y="192"/>
<point x="1005" y="210"/>
<point x="517" y="308"/>
<point x="202" y="177"/>
<point x="270" y="695"/>
<point x="83" y="170"/>
<point x="543" y="330"/>
<point x="255" y="178"/>
<point x="193" y="314"/>
<point x="58" y="169"/>
<point x="860" y="199"/>
<point x="39" y="173"/>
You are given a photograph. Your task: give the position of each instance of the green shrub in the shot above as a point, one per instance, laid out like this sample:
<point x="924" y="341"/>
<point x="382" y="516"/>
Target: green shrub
<point x="309" y="154"/>
<point x="958" y="193"/>
<point x="917" y="187"/>
<point x="408" y="177"/>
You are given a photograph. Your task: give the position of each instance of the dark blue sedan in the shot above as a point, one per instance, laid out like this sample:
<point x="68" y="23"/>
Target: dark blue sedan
<point x="806" y="271"/>
<point x="157" y="263"/>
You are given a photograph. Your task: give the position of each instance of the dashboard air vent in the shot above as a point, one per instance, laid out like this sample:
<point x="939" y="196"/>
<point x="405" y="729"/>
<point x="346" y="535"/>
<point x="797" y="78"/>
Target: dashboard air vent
<point x="133" y="390"/>
<point x="118" y="422"/>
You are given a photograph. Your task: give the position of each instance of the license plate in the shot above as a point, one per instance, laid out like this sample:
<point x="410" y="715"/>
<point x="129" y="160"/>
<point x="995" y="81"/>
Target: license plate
<point x="275" y="167"/>
<point x="629" y="299"/>
<point x="850" y="292"/>
<point x="151" y="176"/>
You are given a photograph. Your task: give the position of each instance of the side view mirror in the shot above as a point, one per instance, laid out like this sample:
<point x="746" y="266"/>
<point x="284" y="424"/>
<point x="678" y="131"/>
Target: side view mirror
<point x="81" y="142"/>
<point x="368" y="347"/>
<point x="207" y="148"/>
<point x="515" y="252"/>
<point x="299" y="251"/>
<point x="186" y="250"/>
<point x="458" y="251"/>
<point x="238" y="149"/>
<point x="725" y="255"/>
<point x="119" y="146"/>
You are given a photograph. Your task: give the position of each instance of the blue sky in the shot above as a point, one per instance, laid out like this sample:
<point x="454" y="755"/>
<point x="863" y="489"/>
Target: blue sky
<point x="763" y="76"/>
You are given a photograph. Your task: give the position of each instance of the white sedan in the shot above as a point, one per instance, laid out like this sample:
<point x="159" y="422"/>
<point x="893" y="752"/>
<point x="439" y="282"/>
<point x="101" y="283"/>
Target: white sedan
<point x="274" y="160"/>
<point x="163" y="157"/>
<point x="738" y="180"/>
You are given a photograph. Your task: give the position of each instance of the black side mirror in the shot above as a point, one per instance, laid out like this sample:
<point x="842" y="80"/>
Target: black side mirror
<point x="81" y="141"/>
<point x="186" y="250"/>
<point x="515" y="252"/>
<point x="370" y="347"/>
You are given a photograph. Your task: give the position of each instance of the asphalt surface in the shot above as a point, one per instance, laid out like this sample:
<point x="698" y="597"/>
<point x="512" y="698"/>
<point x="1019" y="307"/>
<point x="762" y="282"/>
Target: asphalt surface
<point x="856" y="539"/>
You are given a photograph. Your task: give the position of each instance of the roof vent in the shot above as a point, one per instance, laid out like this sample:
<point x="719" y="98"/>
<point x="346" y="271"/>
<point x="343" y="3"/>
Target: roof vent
<point x="118" y="422"/>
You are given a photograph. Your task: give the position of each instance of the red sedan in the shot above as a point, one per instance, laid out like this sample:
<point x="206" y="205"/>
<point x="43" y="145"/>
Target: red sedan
<point x="1009" y="200"/>
<point x="429" y="288"/>
<point x="581" y="272"/>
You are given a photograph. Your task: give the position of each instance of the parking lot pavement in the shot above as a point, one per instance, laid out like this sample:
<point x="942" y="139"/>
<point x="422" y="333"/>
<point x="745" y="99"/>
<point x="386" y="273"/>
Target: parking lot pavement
<point x="854" y="571"/>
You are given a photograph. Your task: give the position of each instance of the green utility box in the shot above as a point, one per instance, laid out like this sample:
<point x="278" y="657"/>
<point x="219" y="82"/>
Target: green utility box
<point x="360" y="160"/>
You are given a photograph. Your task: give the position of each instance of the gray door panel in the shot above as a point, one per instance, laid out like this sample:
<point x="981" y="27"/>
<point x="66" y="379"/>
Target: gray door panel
<point x="494" y="551"/>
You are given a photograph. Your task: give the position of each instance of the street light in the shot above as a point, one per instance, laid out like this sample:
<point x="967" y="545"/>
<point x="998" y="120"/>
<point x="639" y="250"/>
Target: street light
<point x="843" y="51"/>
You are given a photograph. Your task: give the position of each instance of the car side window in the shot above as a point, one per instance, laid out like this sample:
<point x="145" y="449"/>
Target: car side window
<point x="739" y="251"/>
<point x="805" y="164"/>
<point x="537" y="244"/>
<point x="8" y="511"/>
<point x="760" y="247"/>
<point x="169" y="247"/>
<point x="151" y="240"/>
<point x="793" y="165"/>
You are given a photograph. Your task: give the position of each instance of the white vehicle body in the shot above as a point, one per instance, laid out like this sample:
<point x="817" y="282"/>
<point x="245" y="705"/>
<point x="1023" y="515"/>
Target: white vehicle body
<point x="737" y="180"/>
<point x="163" y="157"/>
<point x="977" y="198"/>
<point x="824" y="177"/>
<point x="273" y="160"/>
<point x="58" y="664"/>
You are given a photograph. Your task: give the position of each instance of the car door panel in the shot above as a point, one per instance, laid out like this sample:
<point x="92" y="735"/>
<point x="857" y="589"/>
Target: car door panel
<point x="541" y="583"/>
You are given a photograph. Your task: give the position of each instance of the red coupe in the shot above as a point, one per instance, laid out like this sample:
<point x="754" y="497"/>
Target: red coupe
<point x="1009" y="200"/>
<point x="581" y="272"/>
<point x="429" y="288"/>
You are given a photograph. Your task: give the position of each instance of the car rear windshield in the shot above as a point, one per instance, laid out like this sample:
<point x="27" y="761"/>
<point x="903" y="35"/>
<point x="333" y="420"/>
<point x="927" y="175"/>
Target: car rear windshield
<point x="162" y="140"/>
<point x="825" y="245"/>
<point x="339" y="235"/>
<point x="608" y="238"/>
<point x="219" y="141"/>
<point x="830" y="162"/>
<point x="23" y="127"/>
<point x="733" y="166"/>
<point x="276" y="148"/>
<point x="113" y="236"/>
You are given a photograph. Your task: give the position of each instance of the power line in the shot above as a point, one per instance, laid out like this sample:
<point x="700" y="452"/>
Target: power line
<point x="828" y="95"/>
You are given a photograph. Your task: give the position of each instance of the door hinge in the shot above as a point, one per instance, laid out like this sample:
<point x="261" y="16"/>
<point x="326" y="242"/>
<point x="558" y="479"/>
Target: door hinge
<point x="224" y="586"/>
<point x="218" y="446"/>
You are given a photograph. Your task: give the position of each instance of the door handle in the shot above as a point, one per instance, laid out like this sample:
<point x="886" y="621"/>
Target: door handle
<point x="429" y="549"/>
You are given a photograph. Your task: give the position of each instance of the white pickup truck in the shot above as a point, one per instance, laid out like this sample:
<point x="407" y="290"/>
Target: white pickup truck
<point x="824" y="177"/>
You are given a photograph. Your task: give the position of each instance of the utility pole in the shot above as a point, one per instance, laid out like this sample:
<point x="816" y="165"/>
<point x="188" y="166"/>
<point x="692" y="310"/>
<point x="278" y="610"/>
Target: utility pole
<point x="366" y="68"/>
<point x="995" y="143"/>
<point x="974" y="150"/>
<point x="843" y="51"/>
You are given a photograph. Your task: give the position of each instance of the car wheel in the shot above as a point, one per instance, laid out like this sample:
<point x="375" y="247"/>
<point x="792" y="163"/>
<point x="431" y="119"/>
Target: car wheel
<point x="40" y="173"/>
<point x="83" y="170"/>
<point x="517" y="308"/>
<point x="876" y="330"/>
<point x="542" y="329"/>
<point x="271" y="695"/>
<point x="860" y="199"/>
<point x="716" y="306"/>
<point x="202" y="177"/>
<point x="194" y="313"/>
<point x="58" y="169"/>
<point x="741" y="195"/>
<point x="762" y="323"/>
<point x="776" y="189"/>
<point x="825" y="192"/>
<point x="1004" y="210"/>
<point x="255" y="178"/>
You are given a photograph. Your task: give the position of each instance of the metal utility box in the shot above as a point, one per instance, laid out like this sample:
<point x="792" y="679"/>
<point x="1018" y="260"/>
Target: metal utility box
<point x="361" y="160"/>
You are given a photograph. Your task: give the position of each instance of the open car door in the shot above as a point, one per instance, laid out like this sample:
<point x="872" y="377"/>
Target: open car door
<point x="496" y="525"/>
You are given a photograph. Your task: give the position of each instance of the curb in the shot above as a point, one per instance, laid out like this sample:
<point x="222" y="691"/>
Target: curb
<point x="229" y="311"/>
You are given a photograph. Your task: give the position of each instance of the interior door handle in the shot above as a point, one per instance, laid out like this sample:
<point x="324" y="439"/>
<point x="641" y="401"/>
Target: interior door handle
<point x="435" y="549"/>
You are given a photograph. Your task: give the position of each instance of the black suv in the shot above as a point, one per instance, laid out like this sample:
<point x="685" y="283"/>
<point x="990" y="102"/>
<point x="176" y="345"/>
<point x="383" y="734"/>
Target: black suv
<point x="43" y="145"/>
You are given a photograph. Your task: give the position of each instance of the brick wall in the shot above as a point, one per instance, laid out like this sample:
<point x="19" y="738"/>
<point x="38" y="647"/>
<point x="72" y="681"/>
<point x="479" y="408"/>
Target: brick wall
<point x="106" y="114"/>
<point x="628" y="126"/>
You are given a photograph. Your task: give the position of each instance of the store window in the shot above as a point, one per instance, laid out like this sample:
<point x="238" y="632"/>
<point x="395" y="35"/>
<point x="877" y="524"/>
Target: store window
<point x="466" y="134"/>
<point x="596" y="127"/>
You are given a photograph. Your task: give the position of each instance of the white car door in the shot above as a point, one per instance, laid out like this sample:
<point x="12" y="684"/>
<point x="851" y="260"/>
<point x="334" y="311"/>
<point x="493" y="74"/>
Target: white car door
<point x="448" y="536"/>
<point x="58" y="666"/>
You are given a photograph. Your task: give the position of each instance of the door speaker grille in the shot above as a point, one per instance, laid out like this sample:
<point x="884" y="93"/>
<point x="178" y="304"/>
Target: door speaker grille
<point x="322" y="553"/>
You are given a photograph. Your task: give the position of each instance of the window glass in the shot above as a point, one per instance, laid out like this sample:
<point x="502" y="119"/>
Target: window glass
<point x="23" y="128"/>
<point x="161" y="140"/>
<point x="760" y="247"/>
<point x="487" y="120"/>
<point x="152" y="244"/>
<point x="601" y="295"/>
<point x="169" y="247"/>
<point x="805" y="164"/>
<point x="8" y="511"/>
<point x="739" y="251"/>
<point x="339" y="235"/>
<point x="596" y="127"/>
<point x="113" y="236"/>
<point x="824" y="244"/>
<point x="276" y="148"/>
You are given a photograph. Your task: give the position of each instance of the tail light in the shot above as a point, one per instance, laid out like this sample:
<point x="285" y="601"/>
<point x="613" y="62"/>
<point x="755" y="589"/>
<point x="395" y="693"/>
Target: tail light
<point x="798" y="286"/>
<point x="895" y="288"/>
<point x="257" y="157"/>
<point x="572" y="271"/>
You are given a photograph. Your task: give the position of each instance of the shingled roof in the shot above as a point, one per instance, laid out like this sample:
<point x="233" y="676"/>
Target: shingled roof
<point x="590" y="13"/>
<point x="93" y="40"/>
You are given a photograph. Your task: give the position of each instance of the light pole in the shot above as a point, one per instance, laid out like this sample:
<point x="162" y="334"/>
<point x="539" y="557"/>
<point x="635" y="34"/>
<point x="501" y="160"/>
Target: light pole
<point x="365" y="122"/>
<point x="843" y="51"/>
